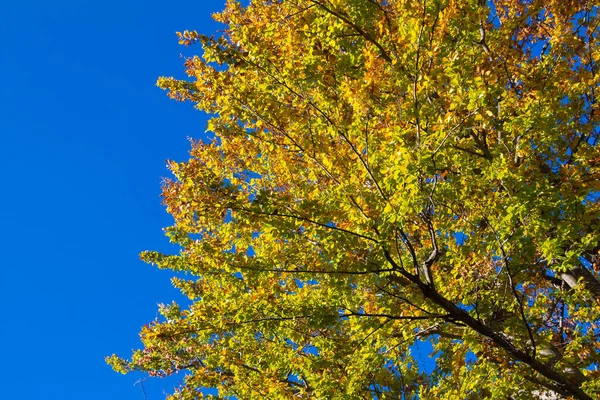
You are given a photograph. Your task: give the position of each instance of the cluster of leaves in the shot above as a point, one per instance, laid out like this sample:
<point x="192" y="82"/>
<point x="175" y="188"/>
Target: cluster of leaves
<point x="382" y="173"/>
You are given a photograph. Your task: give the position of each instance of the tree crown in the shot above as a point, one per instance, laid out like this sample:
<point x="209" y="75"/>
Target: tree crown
<point x="383" y="173"/>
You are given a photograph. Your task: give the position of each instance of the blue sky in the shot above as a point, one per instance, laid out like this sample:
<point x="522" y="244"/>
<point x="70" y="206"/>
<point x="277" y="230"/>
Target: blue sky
<point x="84" y="138"/>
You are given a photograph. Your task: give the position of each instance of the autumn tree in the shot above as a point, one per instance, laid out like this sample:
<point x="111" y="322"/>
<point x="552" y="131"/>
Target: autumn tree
<point x="384" y="172"/>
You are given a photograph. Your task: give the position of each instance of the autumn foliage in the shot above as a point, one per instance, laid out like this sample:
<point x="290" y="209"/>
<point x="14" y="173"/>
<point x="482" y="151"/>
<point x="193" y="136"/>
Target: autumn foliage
<point x="384" y="173"/>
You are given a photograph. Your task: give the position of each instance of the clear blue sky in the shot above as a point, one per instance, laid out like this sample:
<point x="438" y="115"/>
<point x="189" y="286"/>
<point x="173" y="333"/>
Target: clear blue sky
<point x="84" y="138"/>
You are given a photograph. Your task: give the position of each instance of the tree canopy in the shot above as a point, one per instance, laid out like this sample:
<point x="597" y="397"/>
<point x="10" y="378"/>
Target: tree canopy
<point x="383" y="173"/>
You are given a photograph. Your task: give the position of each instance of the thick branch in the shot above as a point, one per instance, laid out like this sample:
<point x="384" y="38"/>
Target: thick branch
<point x="461" y="315"/>
<point x="581" y="273"/>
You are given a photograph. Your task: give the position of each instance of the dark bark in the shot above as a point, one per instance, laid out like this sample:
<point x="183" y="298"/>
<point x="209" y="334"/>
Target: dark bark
<point x="559" y="382"/>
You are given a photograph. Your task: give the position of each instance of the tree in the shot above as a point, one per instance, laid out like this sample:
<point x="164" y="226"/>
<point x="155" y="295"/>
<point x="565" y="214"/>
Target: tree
<point x="383" y="173"/>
